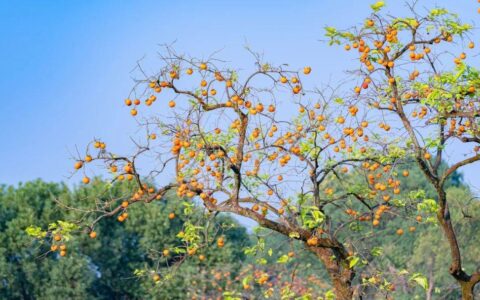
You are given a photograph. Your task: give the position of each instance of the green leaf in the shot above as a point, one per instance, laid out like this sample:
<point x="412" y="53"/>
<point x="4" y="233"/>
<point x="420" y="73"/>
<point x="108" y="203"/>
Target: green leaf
<point x="438" y="12"/>
<point x="262" y="261"/>
<point x="376" y="251"/>
<point x="329" y="295"/>
<point x="402" y="272"/>
<point x="35" y="232"/>
<point x="67" y="227"/>
<point x="247" y="279"/>
<point x="428" y="205"/>
<point x="377" y="6"/>
<point x="179" y="250"/>
<point x="231" y="295"/>
<point x="138" y="272"/>
<point x="294" y="235"/>
<point x="283" y="259"/>
<point x="353" y="261"/>
<point x="331" y="30"/>
<point x="311" y="216"/>
<point x="250" y="250"/>
<point x="188" y="208"/>
<point x="420" y="279"/>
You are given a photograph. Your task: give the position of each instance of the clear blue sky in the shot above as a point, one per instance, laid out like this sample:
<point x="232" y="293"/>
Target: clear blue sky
<point x="65" y="65"/>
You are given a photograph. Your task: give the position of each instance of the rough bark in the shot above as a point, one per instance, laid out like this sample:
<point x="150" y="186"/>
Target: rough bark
<point x="467" y="282"/>
<point x="467" y="290"/>
<point x="339" y="272"/>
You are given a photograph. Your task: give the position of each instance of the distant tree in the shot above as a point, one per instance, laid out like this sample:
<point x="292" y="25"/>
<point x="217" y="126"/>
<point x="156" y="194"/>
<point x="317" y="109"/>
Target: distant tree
<point x="103" y="268"/>
<point x="420" y="249"/>
<point x="433" y="262"/>
<point x="22" y="274"/>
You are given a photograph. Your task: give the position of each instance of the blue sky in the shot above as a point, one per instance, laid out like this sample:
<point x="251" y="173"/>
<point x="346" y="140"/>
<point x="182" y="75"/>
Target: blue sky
<point x="65" y="65"/>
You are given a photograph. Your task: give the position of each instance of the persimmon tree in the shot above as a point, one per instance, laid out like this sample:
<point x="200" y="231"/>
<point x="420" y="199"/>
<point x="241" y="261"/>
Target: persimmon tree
<point x="231" y="147"/>
<point x="268" y="145"/>
<point x="415" y="73"/>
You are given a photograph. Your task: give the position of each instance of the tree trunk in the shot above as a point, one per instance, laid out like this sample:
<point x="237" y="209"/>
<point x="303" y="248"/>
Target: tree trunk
<point x="467" y="290"/>
<point x="467" y="282"/>
<point x="339" y="272"/>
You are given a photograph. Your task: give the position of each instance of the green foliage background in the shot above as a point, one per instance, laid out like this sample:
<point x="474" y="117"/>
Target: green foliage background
<point x="103" y="268"/>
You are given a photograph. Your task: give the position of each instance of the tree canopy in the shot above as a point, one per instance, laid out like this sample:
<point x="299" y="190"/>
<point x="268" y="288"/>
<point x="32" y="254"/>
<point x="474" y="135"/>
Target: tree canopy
<point x="324" y="167"/>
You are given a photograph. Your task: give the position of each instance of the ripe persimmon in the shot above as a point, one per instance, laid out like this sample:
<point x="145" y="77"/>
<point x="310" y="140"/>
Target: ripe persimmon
<point x="312" y="241"/>
<point x="220" y="242"/>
